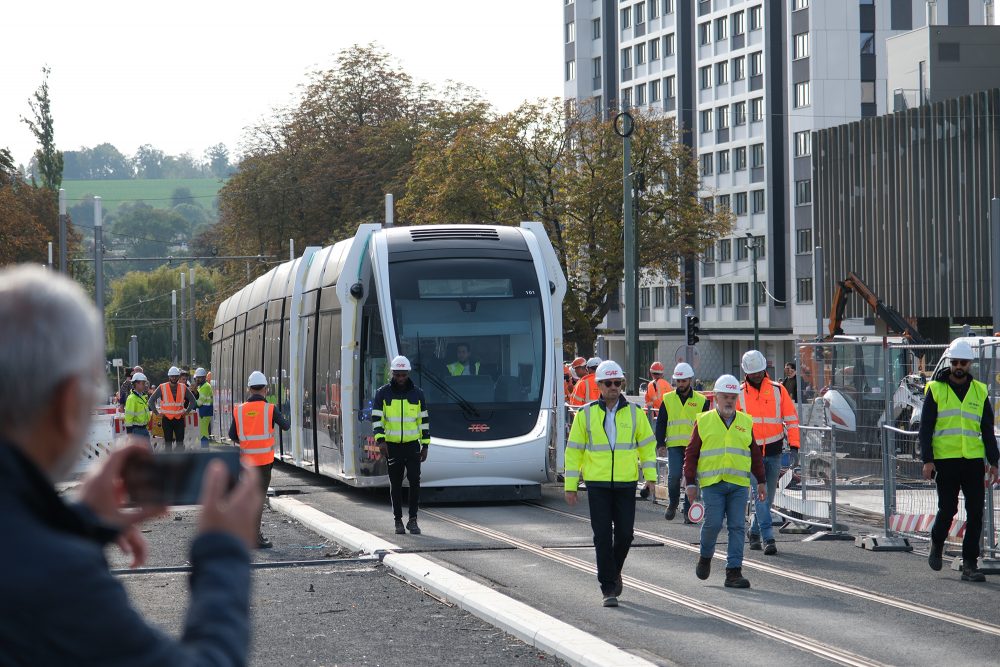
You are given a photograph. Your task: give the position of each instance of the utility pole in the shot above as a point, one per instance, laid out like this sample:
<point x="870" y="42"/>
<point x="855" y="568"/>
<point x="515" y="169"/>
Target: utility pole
<point x="99" y="266"/>
<point x="390" y="218"/>
<point x="173" y="326"/>
<point x="752" y="247"/>
<point x="291" y="249"/>
<point x="818" y="289"/>
<point x="50" y="265"/>
<point x="192" y="312"/>
<point x="624" y="126"/>
<point x="184" y="338"/>
<point x="995" y="269"/>
<point x="133" y="351"/>
<point x="63" y="266"/>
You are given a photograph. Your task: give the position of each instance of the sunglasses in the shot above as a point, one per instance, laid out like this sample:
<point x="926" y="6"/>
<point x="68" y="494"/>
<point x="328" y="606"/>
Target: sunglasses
<point x="612" y="383"/>
<point x="960" y="362"/>
<point x="399" y="374"/>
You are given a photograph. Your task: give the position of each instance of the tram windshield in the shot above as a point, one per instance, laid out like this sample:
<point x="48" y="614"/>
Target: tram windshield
<point x="472" y="328"/>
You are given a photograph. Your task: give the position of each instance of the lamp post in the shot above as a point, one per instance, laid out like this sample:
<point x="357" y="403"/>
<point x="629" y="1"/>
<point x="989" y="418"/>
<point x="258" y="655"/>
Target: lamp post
<point x="752" y="247"/>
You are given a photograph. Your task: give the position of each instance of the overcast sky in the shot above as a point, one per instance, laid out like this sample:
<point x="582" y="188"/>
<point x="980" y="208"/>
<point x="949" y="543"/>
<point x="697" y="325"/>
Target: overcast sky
<point x="184" y="75"/>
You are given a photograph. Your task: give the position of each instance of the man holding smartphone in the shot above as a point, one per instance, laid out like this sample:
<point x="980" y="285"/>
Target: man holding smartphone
<point x="253" y="429"/>
<point x="54" y="550"/>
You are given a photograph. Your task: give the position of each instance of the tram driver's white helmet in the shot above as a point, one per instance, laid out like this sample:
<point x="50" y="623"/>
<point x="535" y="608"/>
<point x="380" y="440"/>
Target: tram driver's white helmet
<point x="609" y="370"/>
<point x="400" y="363"/>
<point x="960" y="350"/>
<point x="257" y="379"/>
<point x="727" y="384"/>
<point x="753" y="362"/>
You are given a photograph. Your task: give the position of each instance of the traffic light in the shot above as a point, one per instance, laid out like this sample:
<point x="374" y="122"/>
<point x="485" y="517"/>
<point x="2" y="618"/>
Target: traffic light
<point x="691" y="327"/>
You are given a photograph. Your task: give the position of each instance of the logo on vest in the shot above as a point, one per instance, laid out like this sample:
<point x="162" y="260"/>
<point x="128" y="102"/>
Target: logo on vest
<point x="740" y="429"/>
<point x="252" y="413"/>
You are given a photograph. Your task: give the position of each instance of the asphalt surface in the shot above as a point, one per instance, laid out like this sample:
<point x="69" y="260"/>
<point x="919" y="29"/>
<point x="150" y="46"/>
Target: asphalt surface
<point x="661" y="626"/>
<point x="325" y="613"/>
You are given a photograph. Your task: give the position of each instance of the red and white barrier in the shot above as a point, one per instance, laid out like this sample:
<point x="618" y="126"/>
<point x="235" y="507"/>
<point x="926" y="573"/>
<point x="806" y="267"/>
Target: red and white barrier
<point x="921" y="523"/>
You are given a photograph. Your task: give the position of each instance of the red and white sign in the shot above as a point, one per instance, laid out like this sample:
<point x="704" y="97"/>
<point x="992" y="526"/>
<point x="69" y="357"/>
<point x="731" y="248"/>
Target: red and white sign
<point x="696" y="512"/>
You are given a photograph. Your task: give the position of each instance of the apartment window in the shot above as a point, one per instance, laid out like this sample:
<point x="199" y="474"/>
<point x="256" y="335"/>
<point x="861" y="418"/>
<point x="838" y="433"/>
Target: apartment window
<point x="756" y="18"/>
<point x="708" y="257"/>
<point x="803" y="241"/>
<point x="571" y="32"/>
<point x="740" y="157"/>
<point x="803" y="143"/>
<point x="626" y="98"/>
<point x="721" y="29"/>
<point x="742" y="294"/>
<point x="756" y="109"/>
<point x="740" y="113"/>
<point x="739" y="23"/>
<point x="803" y="192"/>
<point x="761" y="247"/>
<point x="706" y="165"/>
<point x="742" y="252"/>
<point x="757" y="155"/>
<point x="626" y="57"/>
<point x="705" y="77"/>
<point x="726" y="294"/>
<point x="725" y="250"/>
<point x="669" y="44"/>
<point x="640" y="13"/>
<point x="640" y="95"/>
<point x="705" y="33"/>
<point x="801" y="94"/>
<point x="725" y="202"/>
<point x="868" y="43"/>
<point x="668" y="6"/>
<point x="804" y="290"/>
<point x="757" y="202"/>
<point x="739" y="68"/>
<point x="571" y="108"/>
<point x="654" y="9"/>
<point x="654" y="49"/>
<point x="640" y="54"/>
<point x="800" y="47"/>
<point x="722" y="117"/>
<point x="570" y="70"/>
<point x="708" y="295"/>
<point x="708" y="205"/>
<point x="674" y="296"/>
<point x="761" y="293"/>
<point x="741" y="203"/>
<point x="868" y="92"/>
<point x="658" y="297"/>
<point x="670" y="87"/>
<point x="654" y="90"/>
<point x="706" y="121"/>
<point x="722" y="72"/>
<point x="626" y="18"/>
<point x="799" y="4"/>
<point x="756" y="63"/>
<point x="644" y="297"/>
<point x="722" y="159"/>
<point x="595" y="28"/>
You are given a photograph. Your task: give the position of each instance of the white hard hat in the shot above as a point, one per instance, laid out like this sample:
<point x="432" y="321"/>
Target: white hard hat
<point x="727" y="384"/>
<point x="257" y="379"/>
<point x="594" y="362"/>
<point x="400" y="363"/>
<point x="683" y="371"/>
<point x="960" y="350"/>
<point x="200" y="373"/>
<point x="139" y="377"/>
<point x="174" y="371"/>
<point x="753" y="362"/>
<point x="608" y="370"/>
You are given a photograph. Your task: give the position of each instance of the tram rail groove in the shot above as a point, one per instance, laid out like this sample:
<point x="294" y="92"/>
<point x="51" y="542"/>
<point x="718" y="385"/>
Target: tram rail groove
<point x="264" y="565"/>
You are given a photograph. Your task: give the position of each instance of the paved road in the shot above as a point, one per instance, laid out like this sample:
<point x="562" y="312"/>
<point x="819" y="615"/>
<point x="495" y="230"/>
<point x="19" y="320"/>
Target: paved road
<point x="843" y="604"/>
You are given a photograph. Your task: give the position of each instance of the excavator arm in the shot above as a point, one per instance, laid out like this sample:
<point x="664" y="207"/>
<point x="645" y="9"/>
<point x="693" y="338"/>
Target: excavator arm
<point x="896" y="322"/>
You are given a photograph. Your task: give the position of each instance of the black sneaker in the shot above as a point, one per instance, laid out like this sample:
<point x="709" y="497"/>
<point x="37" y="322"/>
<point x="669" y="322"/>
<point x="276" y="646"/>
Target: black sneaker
<point x="618" y="586"/>
<point x="400" y="530"/>
<point x="263" y="542"/>
<point x="671" y="512"/>
<point x="412" y="526"/>
<point x="934" y="558"/>
<point x="755" y="542"/>
<point x="610" y="601"/>
<point x="972" y="573"/>
<point x="704" y="568"/>
<point x="770" y="548"/>
<point x="735" y="579"/>
<point x="644" y="493"/>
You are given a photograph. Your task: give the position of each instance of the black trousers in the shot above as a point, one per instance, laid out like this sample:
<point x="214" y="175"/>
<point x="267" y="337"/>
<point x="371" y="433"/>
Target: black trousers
<point x="173" y="431"/>
<point x="612" y="517"/>
<point x="404" y="459"/>
<point x="967" y="475"/>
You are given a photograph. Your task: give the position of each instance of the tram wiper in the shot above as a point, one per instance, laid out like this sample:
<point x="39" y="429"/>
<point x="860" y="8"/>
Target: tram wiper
<point x="468" y="408"/>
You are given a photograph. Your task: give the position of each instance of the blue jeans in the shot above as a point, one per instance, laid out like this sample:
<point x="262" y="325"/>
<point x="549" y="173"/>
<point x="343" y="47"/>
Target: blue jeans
<point x="761" y="522"/>
<point x="724" y="499"/>
<point x="675" y="470"/>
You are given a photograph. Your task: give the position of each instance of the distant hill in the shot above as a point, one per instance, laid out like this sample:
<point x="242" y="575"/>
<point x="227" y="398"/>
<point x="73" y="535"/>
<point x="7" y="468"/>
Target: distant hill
<point x="155" y="192"/>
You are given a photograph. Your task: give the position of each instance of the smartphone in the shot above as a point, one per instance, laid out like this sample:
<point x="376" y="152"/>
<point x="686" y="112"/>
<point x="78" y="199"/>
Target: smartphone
<point x="174" y="478"/>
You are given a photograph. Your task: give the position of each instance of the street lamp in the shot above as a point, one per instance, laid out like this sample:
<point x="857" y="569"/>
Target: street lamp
<point x="752" y="247"/>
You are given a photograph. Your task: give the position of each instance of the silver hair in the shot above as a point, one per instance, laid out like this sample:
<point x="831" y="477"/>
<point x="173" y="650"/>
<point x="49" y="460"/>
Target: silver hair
<point x="49" y="332"/>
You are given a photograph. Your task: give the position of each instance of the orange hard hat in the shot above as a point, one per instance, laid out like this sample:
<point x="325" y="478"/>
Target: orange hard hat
<point x="579" y="361"/>
<point x="656" y="367"/>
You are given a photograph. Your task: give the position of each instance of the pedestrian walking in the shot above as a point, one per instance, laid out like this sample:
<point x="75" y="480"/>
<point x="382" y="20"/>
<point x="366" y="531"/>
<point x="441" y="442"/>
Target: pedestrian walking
<point x="956" y="435"/>
<point x="137" y="412"/>
<point x="674" y="425"/>
<point x="253" y="429"/>
<point x="402" y="431"/>
<point x="609" y="442"/>
<point x="59" y="602"/>
<point x="205" y="405"/>
<point x="172" y="400"/>
<point x="723" y="458"/>
<point x="774" y="420"/>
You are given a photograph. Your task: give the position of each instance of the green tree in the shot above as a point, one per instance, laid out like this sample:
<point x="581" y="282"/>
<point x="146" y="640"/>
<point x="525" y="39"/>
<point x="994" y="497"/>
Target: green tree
<point x="144" y="231"/>
<point x="6" y="160"/>
<point x="181" y="195"/>
<point x="149" y="162"/>
<point x="48" y="159"/>
<point x="217" y="157"/>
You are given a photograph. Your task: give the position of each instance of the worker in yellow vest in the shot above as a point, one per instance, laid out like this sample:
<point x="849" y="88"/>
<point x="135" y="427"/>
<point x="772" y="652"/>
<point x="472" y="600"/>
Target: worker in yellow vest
<point x="610" y="441"/>
<point x="172" y="400"/>
<point x="253" y="429"/>
<point x="722" y="457"/>
<point x="674" y="424"/>
<point x="956" y="434"/>
<point x="137" y="408"/>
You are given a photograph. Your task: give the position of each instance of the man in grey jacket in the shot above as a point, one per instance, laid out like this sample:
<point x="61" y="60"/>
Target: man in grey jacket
<point x="59" y="601"/>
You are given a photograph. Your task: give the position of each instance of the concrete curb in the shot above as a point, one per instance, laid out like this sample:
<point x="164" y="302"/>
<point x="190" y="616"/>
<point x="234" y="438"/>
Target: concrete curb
<point x="524" y="622"/>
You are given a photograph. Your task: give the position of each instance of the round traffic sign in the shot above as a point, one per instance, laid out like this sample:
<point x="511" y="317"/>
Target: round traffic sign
<point x="696" y="512"/>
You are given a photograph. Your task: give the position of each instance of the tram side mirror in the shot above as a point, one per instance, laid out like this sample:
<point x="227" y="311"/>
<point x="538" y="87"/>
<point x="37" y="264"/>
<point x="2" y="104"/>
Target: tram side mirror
<point x="552" y="287"/>
<point x="357" y="290"/>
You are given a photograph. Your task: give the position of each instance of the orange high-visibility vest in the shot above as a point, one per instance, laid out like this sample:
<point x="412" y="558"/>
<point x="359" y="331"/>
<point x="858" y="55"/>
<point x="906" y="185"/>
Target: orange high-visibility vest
<point x="655" y="391"/>
<point x="773" y="413"/>
<point x="585" y="391"/>
<point x="172" y="407"/>
<point x="255" y="429"/>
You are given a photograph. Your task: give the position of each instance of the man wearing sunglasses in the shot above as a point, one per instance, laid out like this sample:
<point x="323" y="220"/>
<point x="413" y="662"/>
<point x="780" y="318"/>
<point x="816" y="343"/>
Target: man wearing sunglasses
<point x="956" y="434"/>
<point x="609" y="440"/>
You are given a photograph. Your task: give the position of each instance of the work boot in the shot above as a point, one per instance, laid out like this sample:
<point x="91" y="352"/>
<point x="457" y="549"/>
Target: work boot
<point x="618" y="585"/>
<point x="671" y="512"/>
<point x="687" y="521"/>
<point x="610" y="601"/>
<point x="400" y="530"/>
<point x="972" y="573"/>
<point x="704" y="568"/>
<point x="735" y="579"/>
<point x="934" y="558"/>
<point x="263" y="542"/>
<point x="412" y="526"/>
<point x="770" y="548"/>
<point x="754" y="542"/>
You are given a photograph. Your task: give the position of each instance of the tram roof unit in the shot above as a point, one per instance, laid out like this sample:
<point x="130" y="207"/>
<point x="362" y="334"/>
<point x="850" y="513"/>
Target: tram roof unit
<point x="282" y="274"/>
<point x="405" y="243"/>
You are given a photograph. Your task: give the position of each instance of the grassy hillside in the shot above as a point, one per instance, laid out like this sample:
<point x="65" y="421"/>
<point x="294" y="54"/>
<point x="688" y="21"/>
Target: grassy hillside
<point x="156" y="193"/>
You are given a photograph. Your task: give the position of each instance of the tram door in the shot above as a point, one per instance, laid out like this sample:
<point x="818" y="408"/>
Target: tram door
<point x="374" y="373"/>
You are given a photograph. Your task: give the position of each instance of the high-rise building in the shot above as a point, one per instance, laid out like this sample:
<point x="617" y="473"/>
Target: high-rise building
<point x="749" y="82"/>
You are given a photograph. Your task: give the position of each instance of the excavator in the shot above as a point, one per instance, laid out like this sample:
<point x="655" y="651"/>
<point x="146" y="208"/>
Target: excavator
<point x="893" y="320"/>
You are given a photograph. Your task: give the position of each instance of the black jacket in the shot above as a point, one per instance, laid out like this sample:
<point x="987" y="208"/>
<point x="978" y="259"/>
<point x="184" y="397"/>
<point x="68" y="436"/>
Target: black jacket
<point x="390" y="392"/>
<point x="60" y="605"/>
<point x="929" y="413"/>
